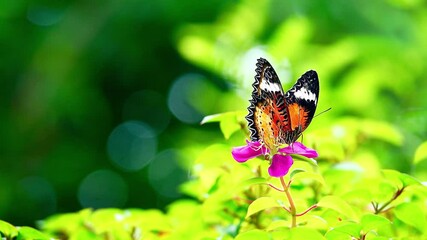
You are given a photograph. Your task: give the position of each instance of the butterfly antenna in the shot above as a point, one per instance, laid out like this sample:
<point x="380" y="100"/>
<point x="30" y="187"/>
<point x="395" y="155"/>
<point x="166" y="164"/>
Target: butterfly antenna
<point x="322" y="112"/>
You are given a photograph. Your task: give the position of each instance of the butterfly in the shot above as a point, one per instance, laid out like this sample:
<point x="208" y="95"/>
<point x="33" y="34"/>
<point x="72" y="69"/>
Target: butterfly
<point x="276" y="117"/>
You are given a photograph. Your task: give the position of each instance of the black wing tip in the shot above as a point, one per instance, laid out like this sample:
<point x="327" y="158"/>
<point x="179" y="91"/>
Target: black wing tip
<point x="311" y="74"/>
<point x="261" y="62"/>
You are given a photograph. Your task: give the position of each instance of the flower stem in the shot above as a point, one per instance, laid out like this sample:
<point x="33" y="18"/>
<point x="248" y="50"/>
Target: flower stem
<point x="292" y="209"/>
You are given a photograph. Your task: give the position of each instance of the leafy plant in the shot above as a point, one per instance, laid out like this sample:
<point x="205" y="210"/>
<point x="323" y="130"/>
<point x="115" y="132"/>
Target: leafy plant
<point x="328" y="200"/>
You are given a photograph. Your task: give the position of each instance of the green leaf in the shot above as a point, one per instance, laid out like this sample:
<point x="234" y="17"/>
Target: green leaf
<point x="347" y="230"/>
<point x="261" y="204"/>
<point x="372" y="222"/>
<point x="105" y="220"/>
<point x="295" y="171"/>
<point x="421" y="153"/>
<point x="7" y="230"/>
<point x="212" y="118"/>
<point x="399" y="179"/>
<point x="308" y="176"/>
<point x="228" y="122"/>
<point x="393" y="177"/>
<point x="278" y="224"/>
<point x="371" y="236"/>
<point x="149" y="220"/>
<point x="337" y="204"/>
<point x="26" y="233"/>
<point x="253" y="235"/>
<point x="305" y="233"/>
<point x="66" y="223"/>
<point x="253" y="181"/>
<point x="408" y="180"/>
<point x="412" y="214"/>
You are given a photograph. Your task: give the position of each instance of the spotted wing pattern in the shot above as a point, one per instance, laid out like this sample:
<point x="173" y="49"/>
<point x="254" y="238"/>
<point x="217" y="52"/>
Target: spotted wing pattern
<point x="275" y="117"/>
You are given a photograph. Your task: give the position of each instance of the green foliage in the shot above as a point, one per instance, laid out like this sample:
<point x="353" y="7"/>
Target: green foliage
<point x="10" y="232"/>
<point x="228" y="122"/>
<point x="241" y="201"/>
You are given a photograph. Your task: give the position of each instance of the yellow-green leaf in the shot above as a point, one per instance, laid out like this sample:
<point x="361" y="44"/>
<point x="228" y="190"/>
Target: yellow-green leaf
<point x="347" y="230"/>
<point x="228" y="122"/>
<point x="372" y="222"/>
<point x="253" y="235"/>
<point x="305" y="233"/>
<point x="412" y="214"/>
<point x="7" y="230"/>
<point x="26" y="233"/>
<point x="253" y="181"/>
<point x="261" y="204"/>
<point x="421" y="153"/>
<point x="309" y="176"/>
<point x="339" y="205"/>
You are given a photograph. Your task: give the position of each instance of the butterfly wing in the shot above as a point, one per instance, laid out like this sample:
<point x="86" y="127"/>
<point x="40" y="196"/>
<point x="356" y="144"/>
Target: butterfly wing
<point x="301" y="102"/>
<point x="267" y="118"/>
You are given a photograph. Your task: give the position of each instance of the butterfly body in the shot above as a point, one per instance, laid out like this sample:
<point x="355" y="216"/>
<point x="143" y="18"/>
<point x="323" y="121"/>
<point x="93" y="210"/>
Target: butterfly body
<point x="276" y="117"/>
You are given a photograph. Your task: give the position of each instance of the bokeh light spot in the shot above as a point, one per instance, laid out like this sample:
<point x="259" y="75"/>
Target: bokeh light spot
<point x="43" y="15"/>
<point x="165" y="175"/>
<point x="132" y="145"/>
<point x="179" y="100"/>
<point x="102" y="189"/>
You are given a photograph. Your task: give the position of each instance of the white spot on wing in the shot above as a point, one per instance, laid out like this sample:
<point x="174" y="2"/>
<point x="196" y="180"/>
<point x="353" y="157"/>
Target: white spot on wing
<point x="303" y="93"/>
<point x="269" y="86"/>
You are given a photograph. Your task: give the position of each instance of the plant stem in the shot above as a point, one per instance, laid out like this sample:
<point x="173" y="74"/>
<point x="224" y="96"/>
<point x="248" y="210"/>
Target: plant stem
<point x="396" y="195"/>
<point x="306" y="211"/>
<point x="292" y="209"/>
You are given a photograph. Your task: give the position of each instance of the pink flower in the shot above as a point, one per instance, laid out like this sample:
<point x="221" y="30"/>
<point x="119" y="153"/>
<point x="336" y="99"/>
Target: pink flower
<point x="281" y="162"/>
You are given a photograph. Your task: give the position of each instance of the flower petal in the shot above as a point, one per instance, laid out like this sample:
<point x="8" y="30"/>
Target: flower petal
<point x="280" y="165"/>
<point x="251" y="150"/>
<point x="300" y="149"/>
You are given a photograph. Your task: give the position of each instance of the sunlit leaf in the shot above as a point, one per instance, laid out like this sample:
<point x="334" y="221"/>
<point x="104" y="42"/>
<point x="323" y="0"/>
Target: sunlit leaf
<point x="347" y="230"/>
<point x="372" y="222"/>
<point x="254" y="181"/>
<point x="85" y="234"/>
<point x="337" y="204"/>
<point x="372" y="236"/>
<point x="214" y="118"/>
<point x="67" y="222"/>
<point x="408" y="180"/>
<point x="400" y="179"/>
<point x="280" y="233"/>
<point x="393" y="176"/>
<point x="308" y="176"/>
<point x="253" y="235"/>
<point x="104" y="220"/>
<point x="229" y="122"/>
<point x="412" y="214"/>
<point x="26" y="233"/>
<point x="295" y="171"/>
<point x="421" y="153"/>
<point x="305" y="233"/>
<point x="278" y="224"/>
<point x="7" y="230"/>
<point x="260" y="204"/>
<point x="150" y="219"/>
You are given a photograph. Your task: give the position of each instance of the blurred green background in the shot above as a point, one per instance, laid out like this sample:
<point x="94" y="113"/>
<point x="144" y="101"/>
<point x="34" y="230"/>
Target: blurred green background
<point x="101" y="101"/>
